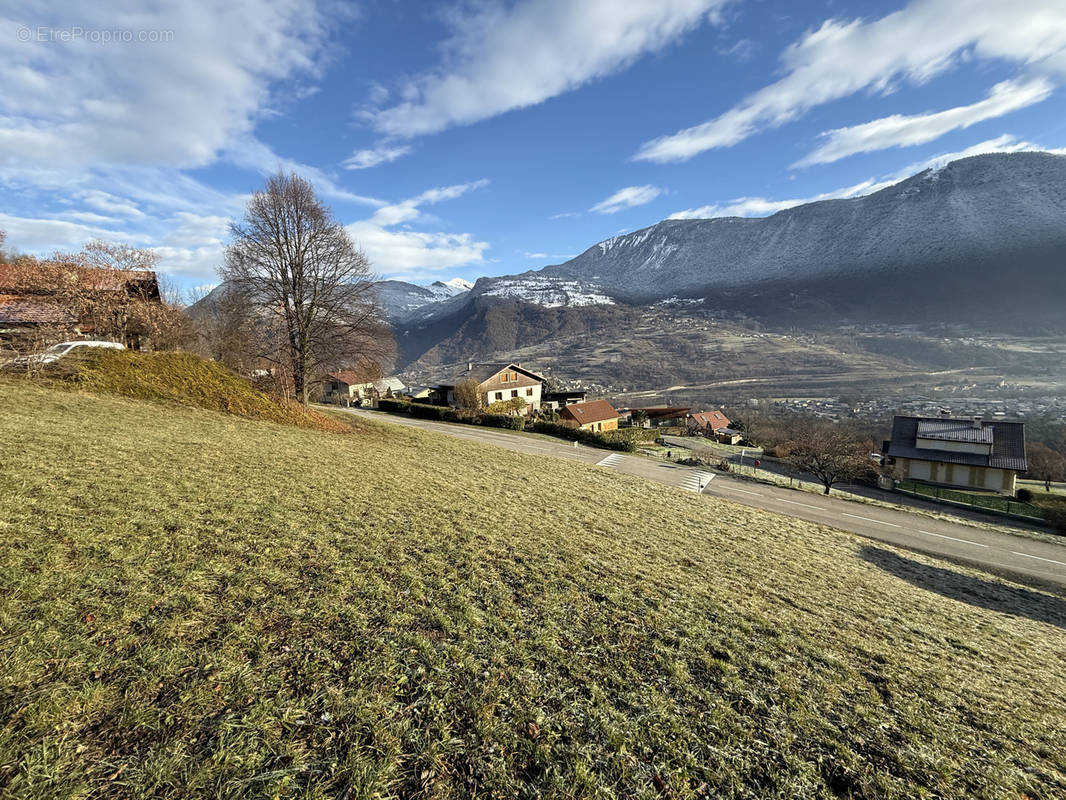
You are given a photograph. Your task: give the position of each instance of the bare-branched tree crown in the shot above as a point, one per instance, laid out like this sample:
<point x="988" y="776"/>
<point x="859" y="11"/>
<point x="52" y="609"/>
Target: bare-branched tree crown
<point x="310" y="289"/>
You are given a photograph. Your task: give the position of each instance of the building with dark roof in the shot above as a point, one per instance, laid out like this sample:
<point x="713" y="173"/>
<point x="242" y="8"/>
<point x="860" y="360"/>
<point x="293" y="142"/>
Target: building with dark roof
<point x="496" y="382"/>
<point x="960" y="453"/>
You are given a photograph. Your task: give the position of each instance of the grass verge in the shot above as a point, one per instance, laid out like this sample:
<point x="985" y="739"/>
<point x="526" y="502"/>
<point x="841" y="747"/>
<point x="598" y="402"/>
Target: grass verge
<point x="200" y="605"/>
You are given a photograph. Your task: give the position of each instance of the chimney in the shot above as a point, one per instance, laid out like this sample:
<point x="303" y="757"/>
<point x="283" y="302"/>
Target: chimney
<point x="977" y="423"/>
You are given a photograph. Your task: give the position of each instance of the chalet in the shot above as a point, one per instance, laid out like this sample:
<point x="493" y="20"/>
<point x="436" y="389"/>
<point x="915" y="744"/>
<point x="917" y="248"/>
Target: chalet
<point x="495" y="383"/>
<point x="51" y="300"/>
<point x="553" y="401"/>
<point x="959" y="453"/>
<point x="594" y="415"/>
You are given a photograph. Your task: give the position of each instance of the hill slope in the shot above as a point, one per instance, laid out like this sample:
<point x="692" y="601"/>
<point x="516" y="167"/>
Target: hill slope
<point x="195" y="604"/>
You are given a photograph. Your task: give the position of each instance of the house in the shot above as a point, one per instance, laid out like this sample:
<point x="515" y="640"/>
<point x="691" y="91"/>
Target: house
<point x="705" y="423"/>
<point x="418" y="392"/>
<point x="495" y="383"/>
<point x="349" y="388"/>
<point x="961" y="453"/>
<point x="553" y="401"/>
<point x="41" y="301"/>
<point x="594" y="415"/>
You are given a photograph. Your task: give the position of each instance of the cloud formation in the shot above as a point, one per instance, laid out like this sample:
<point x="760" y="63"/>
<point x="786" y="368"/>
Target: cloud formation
<point x="915" y="44"/>
<point x="904" y="131"/>
<point x="383" y="154"/>
<point x="395" y="250"/>
<point x="503" y="57"/>
<point x="628" y="197"/>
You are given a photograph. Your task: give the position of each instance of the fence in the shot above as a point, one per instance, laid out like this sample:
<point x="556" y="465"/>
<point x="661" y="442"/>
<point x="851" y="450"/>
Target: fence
<point x="988" y="502"/>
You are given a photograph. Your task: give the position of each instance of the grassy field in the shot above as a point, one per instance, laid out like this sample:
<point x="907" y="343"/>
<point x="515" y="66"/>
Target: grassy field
<point x="194" y="604"/>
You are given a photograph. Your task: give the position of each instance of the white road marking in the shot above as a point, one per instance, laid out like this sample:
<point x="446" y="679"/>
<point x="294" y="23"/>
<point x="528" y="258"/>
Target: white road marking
<point x="745" y="491"/>
<point x="805" y="505"/>
<point x="1039" y="558"/>
<point x="609" y="461"/>
<point x="879" y="522"/>
<point x="697" y="481"/>
<point x="953" y="538"/>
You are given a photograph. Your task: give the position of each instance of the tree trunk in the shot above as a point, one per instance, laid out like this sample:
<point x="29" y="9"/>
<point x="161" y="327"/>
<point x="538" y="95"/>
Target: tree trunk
<point x="827" y="487"/>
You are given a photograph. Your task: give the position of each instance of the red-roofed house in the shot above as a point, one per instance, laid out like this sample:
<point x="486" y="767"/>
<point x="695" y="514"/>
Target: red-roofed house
<point x="595" y="415"/>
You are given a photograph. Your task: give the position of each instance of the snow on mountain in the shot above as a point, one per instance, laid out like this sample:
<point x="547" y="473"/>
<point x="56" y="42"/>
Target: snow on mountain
<point x="974" y="216"/>
<point x="546" y="292"/>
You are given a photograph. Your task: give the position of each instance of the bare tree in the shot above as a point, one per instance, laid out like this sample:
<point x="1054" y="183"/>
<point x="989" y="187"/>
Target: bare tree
<point x="1045" y="464"/>
<point x="830" y="452"/>
<point x="298" y="268"/>
<point x="467" y="396"/>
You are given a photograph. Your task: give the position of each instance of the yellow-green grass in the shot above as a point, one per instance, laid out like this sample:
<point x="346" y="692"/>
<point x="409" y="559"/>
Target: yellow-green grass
<point x="183" y="378"/>
<point x="194" y="604"/>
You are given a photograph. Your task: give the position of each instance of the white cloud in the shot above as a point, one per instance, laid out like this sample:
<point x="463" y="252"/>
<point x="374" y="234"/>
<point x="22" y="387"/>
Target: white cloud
<point x="903" y="131"/>
<point x="362" y="159"/>
<point x="44" y="235"/>
<point x="761" y="207"/>
<point x="915" y="44"/>
<point x="109" y="204"/>
<point x="404" y="252"/>
<point x="503" y="57"/>
<point x="628" y="197"/>
<point x="177" y="102"/>
<point x="535" y="256"/>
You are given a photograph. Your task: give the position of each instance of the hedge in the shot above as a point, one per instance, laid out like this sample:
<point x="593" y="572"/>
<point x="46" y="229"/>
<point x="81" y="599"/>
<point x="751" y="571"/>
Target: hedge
<point x="612" y="440"/>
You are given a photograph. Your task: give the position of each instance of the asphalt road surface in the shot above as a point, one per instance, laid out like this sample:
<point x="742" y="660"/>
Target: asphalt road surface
<point x="998" y="552"/>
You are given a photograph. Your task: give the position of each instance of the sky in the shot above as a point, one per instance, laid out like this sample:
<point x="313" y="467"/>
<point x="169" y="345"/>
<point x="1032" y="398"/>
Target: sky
<point x="465" y="139"/>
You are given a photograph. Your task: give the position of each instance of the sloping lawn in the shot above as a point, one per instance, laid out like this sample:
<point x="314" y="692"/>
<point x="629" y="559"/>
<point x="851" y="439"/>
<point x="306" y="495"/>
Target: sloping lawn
<point x="194" y="604"/>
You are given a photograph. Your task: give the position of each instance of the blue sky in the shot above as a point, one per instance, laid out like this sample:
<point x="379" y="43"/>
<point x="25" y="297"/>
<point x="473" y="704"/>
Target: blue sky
<point x="461" y="139"/>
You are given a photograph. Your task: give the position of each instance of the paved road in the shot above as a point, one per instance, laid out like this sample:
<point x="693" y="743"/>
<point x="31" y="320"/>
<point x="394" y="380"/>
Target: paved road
<point x="995" y="551"/>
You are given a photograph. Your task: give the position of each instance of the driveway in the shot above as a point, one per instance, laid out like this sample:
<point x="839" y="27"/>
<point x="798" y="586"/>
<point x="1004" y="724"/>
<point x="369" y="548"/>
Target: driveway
<point x="997" y="552"/>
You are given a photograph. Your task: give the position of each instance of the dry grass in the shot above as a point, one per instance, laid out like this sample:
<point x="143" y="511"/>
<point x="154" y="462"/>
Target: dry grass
<point x="199" y="605"/>
<point x="186" y="379"/>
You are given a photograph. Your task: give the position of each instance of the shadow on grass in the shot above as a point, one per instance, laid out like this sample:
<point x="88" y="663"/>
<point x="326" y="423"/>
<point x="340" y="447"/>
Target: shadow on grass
<point x="970" y="589"/>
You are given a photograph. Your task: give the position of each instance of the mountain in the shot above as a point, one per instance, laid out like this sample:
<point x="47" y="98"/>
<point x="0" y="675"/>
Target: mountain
<point x="980" y="241"/>
<point x="401" y="301"/>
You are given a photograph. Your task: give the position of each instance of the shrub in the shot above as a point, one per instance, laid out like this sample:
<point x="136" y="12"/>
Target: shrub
<point x="1024" y="496"/>
<point x="588" y="437"/>
<point x="423" y="411"/>
<point x="393" y="406"/>
<point x="508" y="421"/>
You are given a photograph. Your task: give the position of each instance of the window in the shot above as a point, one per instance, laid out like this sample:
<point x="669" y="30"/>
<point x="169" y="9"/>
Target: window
<point x="505" y="377"/>
<point x="499" y="395"/>
<point x="514" y="393"/>
<point x="529" y="392"/>
<point x="514" y="376"/>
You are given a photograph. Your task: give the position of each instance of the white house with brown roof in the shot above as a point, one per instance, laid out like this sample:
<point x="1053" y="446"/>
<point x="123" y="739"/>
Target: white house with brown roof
<point x="496" y="382"/>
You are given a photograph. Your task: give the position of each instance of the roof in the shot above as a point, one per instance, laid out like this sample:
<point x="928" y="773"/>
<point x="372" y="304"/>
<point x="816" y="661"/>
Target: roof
<point x="482" y="372"/>
<point x="1008" y="442"/>
<point x="20" y="310"/>
<point x="50" y="276"/>
<point x="663" y="412"/>
<point x="347" y="377"/>
<point x="591" y="411"/>
<point x="954" y="430"/>
<point x="711" y="419"/>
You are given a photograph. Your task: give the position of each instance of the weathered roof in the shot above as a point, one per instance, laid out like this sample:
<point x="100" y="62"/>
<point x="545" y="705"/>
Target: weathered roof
<point x="591" y="411"/>
<point x="22" y="310"/>
<point x="1008" y="444"/>
<point x="954" y="430"/>
<point x="482" y="372"/>
<point x="347" y="377"/>
<point x="710" y="419"/>
<point x="49" y="277"/>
